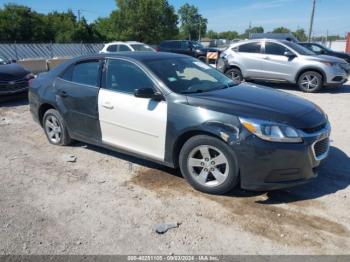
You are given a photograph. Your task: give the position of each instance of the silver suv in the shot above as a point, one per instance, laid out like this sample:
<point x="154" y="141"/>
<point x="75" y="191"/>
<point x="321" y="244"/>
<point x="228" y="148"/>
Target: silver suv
<point x="282" y="61"/>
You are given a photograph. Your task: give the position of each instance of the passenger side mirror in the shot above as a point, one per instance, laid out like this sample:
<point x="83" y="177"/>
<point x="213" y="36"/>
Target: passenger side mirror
<point x="148" y="93"/>
<point x="289" y="54"/>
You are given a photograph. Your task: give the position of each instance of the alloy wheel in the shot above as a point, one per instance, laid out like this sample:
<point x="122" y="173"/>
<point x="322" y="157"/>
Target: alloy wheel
<point x="53" y="129"/>
<point x="235" y="76"/>
<point x="310" y="82"/>
<point x="208" y="165"/>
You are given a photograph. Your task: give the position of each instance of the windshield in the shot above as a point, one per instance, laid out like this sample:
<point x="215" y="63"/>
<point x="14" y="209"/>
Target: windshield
<point x="298" y="48"/>
<point x="140" y="47"/>
<point x="197" y="45"/>
<point x="324" y="47"/>
<point x="188" y="75"/>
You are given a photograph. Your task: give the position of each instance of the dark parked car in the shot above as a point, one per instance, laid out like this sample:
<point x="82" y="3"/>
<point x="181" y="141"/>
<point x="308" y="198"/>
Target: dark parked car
<point x="180" y="112"/>
<point x="186" y="47"/>
<point x="13" y="78"/>
<point x="322" y="50"/>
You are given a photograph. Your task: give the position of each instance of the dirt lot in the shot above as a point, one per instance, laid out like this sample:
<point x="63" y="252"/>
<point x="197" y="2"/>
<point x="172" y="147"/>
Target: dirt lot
<point x="108" y="203"/>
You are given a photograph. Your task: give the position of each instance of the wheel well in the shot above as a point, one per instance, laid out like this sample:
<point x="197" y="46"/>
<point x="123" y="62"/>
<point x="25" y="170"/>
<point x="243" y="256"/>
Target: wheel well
<point x="233" y="66"/>
<point x="181" y="140"/>
<point x="314" y="70"/>
<point x="43" y="108"/>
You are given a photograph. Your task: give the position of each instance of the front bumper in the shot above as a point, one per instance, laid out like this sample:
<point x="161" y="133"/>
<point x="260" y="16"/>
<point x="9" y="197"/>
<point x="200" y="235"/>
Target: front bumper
<point x="268" y="165"/>
<point x="336" y="76"/>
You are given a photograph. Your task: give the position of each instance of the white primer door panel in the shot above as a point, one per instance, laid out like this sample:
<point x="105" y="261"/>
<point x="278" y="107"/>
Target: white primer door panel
<point x="132" y="123"/>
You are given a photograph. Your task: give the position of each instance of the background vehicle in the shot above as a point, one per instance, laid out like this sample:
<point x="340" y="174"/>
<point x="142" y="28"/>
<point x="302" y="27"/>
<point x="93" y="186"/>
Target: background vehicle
<point x="130" y="46"/>
<point x="180" y="112"/>
<point x="186" y="47"/>
<point x="13" y="78"/>
<point x="276" y="36"/>
<point x="282" y="61"/>
<point x="322" y="50"/>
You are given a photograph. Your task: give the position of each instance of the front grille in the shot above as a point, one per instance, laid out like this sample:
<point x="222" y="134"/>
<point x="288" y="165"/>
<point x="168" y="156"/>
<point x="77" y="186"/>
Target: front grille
<point x="321" y="147"/>
<point x="314" y="129"/>
<point x="17" y="86"/>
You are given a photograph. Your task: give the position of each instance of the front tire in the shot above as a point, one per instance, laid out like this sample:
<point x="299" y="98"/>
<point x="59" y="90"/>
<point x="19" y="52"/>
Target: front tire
<point x="55" y="128"/>
<point x="235" y="74"/>
<point x="310" y="82"/>
<point x="202" y="59"/>
<point x="209" y="165"/>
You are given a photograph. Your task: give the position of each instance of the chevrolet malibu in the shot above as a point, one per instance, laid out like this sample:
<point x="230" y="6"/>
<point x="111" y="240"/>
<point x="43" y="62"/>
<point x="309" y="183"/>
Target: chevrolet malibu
<point x="177" y="111"/>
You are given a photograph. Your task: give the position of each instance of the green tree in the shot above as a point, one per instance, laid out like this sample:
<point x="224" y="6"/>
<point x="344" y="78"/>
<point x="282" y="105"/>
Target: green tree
<point x="300" y="35"/>
<point x="228" y="35"/>
<point x="149" y="21"/>
<point x="281" y="29"/>
<point x="255" y="29"/>
<point x="106" y="27"/>
<point x="19" y="23"/>
<point x="191" y="22"/>
<point x="212" y="35"/>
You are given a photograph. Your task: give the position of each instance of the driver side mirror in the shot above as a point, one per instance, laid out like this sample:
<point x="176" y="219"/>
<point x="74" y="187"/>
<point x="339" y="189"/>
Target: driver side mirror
<point x="148" y="93"/>
<point x="289" y="54"/>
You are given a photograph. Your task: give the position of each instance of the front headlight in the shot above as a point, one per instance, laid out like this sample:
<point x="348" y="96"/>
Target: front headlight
<point x="270" y="131"/>
<point x="30" y="76"/>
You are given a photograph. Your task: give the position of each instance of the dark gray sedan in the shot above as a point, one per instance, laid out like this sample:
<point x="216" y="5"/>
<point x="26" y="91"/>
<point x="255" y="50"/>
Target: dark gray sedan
<point x="177" y="111"/>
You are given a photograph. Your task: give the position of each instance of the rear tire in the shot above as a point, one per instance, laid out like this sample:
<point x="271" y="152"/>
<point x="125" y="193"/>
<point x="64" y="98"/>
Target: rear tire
<point x="55" y="128"/>
<point x="235" y="74"/>
<point x="310" y="82"/>
<point x="209" y="165"/>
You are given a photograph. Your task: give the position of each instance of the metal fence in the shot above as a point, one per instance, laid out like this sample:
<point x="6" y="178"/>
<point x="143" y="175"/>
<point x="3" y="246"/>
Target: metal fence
<point x="47" y="50"/>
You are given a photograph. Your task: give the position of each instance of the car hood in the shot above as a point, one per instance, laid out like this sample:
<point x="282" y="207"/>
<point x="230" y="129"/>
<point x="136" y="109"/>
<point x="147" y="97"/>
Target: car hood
<point x="254" y="101"/>
<point x="327" y="58"/>
<point x="10" y="72"/>
<point x="209" y="49"/>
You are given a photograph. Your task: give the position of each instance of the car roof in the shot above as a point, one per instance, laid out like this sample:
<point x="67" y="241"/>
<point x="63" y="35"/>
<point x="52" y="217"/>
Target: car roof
<point x="261" y="40"/>
<point x="176" y="41"/>
<point x="123" y="42"/>
<point x="139" y="56"/>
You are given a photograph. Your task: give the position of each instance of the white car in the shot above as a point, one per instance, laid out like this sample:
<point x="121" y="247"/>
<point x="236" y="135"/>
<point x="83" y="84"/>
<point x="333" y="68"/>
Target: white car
<point x="129" y="46"/>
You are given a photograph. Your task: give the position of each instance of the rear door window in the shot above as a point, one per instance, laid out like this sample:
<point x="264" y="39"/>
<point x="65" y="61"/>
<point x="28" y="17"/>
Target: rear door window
<point x="85" y="73"/>
<point x="250" y="48"/>
<point x="124" y="48"/>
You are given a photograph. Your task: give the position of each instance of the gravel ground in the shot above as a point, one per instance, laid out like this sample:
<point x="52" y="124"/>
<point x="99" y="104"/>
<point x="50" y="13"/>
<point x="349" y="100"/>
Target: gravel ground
<point x="109" y="203"/>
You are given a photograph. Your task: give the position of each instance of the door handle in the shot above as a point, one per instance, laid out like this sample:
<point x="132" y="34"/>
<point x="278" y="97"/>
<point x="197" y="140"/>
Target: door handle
<point x="62" y="93"/>
<point x="107" y="105"/>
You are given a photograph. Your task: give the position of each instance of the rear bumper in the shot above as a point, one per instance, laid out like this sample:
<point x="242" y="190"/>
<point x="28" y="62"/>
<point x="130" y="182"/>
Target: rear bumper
<point x="268" y="166"/>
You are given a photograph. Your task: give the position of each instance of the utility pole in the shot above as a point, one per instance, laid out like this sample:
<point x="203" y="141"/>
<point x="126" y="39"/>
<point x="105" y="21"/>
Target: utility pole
<point x="79" y="15"/>
<point x="312" y="19"/>
<point x="199" y="29"/>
